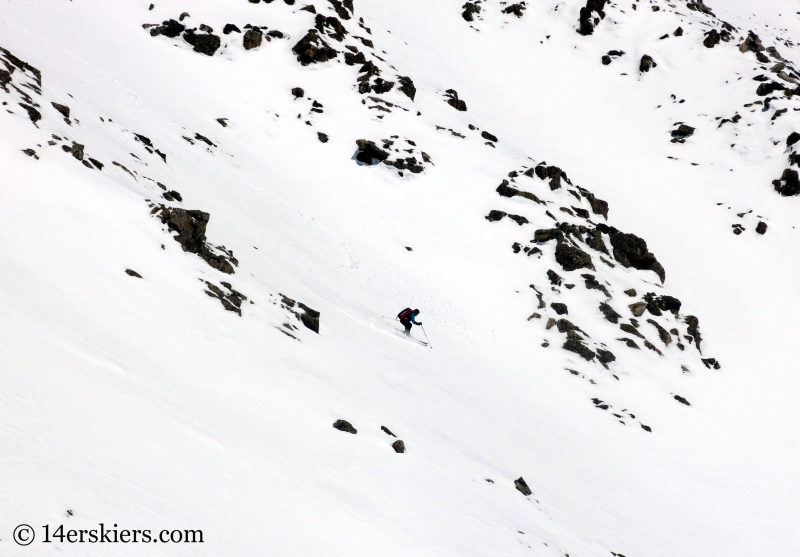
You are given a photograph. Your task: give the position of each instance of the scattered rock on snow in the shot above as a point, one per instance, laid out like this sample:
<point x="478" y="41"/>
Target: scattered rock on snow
<point x="522" y="487"/>
<point x="399" y="446"/>
<point x="344" y="425"/>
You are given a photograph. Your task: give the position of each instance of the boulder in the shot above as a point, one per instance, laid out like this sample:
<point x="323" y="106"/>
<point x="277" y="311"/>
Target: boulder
<point x="204" y="44"/>
<point x="522" y="487"/>
<point x="369" y="153"/>
<point x="631" y="251"/>
<point x="252" y="39"/>
<point x="560" y="309"/>
<point x="647" y="63"/>
<point x="344" y="425"/>
<point x="399" y="446"/>
<point x="572" y="258"/>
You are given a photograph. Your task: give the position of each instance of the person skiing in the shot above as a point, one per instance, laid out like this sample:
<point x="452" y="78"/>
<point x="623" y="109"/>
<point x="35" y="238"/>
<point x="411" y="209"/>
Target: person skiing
<point x="407" y="317"/>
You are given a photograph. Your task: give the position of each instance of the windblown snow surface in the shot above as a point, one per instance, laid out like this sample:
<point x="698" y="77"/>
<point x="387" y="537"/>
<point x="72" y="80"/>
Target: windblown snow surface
<point x="168" y="400"/>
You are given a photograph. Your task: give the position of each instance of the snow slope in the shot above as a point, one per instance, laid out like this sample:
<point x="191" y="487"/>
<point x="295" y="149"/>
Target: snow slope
<point x="142" y="402"/>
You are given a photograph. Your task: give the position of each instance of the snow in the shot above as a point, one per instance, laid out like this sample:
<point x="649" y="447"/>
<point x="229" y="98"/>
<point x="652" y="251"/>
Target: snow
<point x="142" y="403"/>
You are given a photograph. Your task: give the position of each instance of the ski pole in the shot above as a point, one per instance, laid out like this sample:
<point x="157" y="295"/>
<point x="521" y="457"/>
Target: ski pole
<point x="426" y="336"/>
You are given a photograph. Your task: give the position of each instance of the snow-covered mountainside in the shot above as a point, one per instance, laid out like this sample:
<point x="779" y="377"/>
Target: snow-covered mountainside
<point x="212" y="212"/>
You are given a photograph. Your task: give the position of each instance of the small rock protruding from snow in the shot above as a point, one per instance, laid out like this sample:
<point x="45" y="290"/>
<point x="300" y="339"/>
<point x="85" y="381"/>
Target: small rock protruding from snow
<point x="522" y="487"/>
<point x="399" y="446"/>
<point x="344" y="425"/>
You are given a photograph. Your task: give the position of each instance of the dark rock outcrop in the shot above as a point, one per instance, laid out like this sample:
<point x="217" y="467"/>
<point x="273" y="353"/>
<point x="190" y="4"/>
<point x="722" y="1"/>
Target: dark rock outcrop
<point x="203" y="43"/>
<point x="252" y="38"/>
<point x="647" y="63"/>
<point x="572" y="258"/>
<point x="369" y="153"/>
<point x="312" y="49"/>
<point x="470" y="9"/>
<point x="609" y="313"/>
<point x="407" y="87"/>
<point x="169" y="28"/>
<point x="453" y="100"/>
<point x="522" y="487"/>
<point x="560" y="309"/>
<point x="631" y="251"/>
<point x="344" y="425"/>
<point x="488" y="136"/>
<point x="587" y="20"/>
<point x="399" y="446"/>
<point x="680" y="133"/>
<point x="191" y="228"/>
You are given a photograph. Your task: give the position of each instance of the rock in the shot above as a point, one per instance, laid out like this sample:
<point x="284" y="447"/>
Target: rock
<point x="495" y="216"/>
<point x="761" y="228"/>
<point x="646" y="428"/>
<point x="680" y="133"/>
<point x="470" y="8"/>
<point x="565" y="326"/>
<point x="223" y="122"/>
<point x="768" y="88"/>
<point x="572" y="258"/>
<point x="605" y="356"/>
<point x="574" y="345"/>
<point x="550" y="323"/>
<point x="630" y="343"/>
<point x="630" y="329"/>
<point x="522" y="487"/>
<point x="191" y="228"/>
<point x="334" y="27"/>
<point x="76" y="150"/>
<point x="310" y="318"/>
<point x="63" y="109"/>
<point x="555" y="279"/>
<point x="678" y="32"/>
<point x="169" y="28"/>
<point x="454" y="101"/>
<point x="650" y="345"/>
<point x="637" y="309"/>
<point x="323" y="137"/>
<point x="631" y="292"/>
<point x="668" y="303"/>
<point x="407" y="87"/>
<point x="545" y="235"/>
<point x="609" y="313"/>
<point x="712" y="39"/>
<point x="387" y="432"/>
<point x="298" y="92"/>
<point x="369" y="153"/>
<point x="515" y="9"/>
<point x="606" y="59"/>
<point x="663" y="334"/>
<point x="382" y="86"/>
<point x="789" y="183"/>
<point x="488" y="136"/>
<point x="647" y="63"/>
<point x="507" y="191"/>
<point x="312" y="49"/>
<point x="133" y="273"/>
<point x="682" y="400"/>
<point x="344" y="425"/>
<point x="631" y="251"/>
<point x="793" y="138"/>
<point x="560" y="309"/>
<point x="252" y="39"/>
<point x="399" y="446"/>
<point x="204" y="44"/>
<point x="342" y="7"/>
<point x="693" y="329"/>
<point x="592" y="284"/>
<point x="599" y="207"/>
<point x="33" y="114"/>
<point x="586" y="21"/>
<point x="711" y="363"/>
<point x="230" y="28"/>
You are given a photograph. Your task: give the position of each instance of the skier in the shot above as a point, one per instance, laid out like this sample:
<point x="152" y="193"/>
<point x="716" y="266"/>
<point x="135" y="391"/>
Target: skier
<point x="407" y="317"/>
